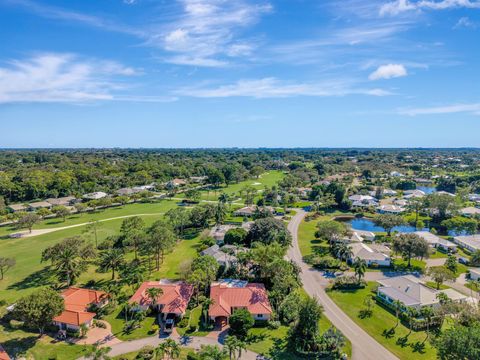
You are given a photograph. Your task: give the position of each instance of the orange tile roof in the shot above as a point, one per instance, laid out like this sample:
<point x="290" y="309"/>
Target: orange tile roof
<point x="175" y="297"/>
<point x="3" y="354"/>
<point x="253" y="297"/>
<point x="77" y="301"/>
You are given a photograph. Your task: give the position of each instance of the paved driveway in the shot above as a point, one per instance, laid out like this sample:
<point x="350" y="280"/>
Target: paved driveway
<point x="363" y="345"/>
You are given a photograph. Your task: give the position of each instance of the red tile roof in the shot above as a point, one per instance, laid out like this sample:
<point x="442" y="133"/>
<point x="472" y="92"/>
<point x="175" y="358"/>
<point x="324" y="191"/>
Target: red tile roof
<point x="77" y="301"/>
<point x="253" y="297"/>
<point x="175" y="297"/>
<point x="3" y="354"/>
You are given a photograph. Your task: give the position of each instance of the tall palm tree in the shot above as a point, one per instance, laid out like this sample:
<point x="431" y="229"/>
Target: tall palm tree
<point x="397" y="304"/>
<point x="111" y="259"/>
<point x="153" y="294"/>
<point x="98" y="353"/>
<point x="231" y="345"/>
<point x="360" y="267"/>
<point x="168" y="349"/>
<point x="220" y="213"/>
<point x="205" y="306"/>
<point x="427" y="313"/>
<point x="241" y="345"/>
<point x="69" y="265"/>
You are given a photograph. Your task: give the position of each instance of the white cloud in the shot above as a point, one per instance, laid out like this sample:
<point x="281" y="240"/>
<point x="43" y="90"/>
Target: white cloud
<point x="65" y="78"/>
<point x="400" y="6"/>
<point x="473" y="108"/>
<point x="207" y="31"/>
<point x="388" y="72"/>
<point x="465" y="22"/>
<point x="273" y="88"/>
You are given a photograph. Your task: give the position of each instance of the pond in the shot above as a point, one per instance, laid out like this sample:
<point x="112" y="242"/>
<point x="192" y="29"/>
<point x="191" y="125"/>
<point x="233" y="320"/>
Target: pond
<point x="368" y="225"/>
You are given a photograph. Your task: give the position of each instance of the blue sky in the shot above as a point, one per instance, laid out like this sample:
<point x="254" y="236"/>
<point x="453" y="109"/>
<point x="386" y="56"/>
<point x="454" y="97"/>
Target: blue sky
<point x="245" y="73"/>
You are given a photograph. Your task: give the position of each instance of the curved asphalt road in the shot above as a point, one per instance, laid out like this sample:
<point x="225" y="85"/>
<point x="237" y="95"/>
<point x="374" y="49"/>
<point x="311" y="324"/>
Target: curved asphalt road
<point x="363" y="345"/>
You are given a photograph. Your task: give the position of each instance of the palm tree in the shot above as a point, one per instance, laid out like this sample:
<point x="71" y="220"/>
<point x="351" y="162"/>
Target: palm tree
<point x="411" y="314"/>
<point x="427" y="313"/>
<point x="231" y="345"/>
<point x="220" y="213"/>
<point x="205" y="306"/>
<point x="69" y="265"/>
<point x="99" y="353"/>
<point x="168" y="349"/>
<point x="241" y="345"/>
<point x="153" y="294"/>
<point x="111" y="259"/>
<point x="397" y="304"/>
<point x="360" y="267"/>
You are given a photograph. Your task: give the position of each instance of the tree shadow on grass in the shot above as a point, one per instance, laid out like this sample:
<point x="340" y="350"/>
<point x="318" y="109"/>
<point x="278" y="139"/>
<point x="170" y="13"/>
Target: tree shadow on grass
<point x="388" y="333"/>
<point x="19" y="347"/>
<point x="39" y="278"/>
<point x="418" y="347"/>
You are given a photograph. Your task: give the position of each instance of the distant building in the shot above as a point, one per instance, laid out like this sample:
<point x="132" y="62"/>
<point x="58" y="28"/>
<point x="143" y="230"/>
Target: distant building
<point x="374" y="255"/>
<point x="17" y="207"/>
<point x="63" y="201"/>
<point x="436" y="241"/>
<point x="176" y="183"/>
<point x="198" y="179"/>
<point x="39" y="205"/>
<point x="470" y="211"/>
<point x="408" y="194"/>
<point x="390" y="209"/>
<point x="95" y="195"/>
<point x="77" y="303"/>
<point x="469" y="242"/>
<point x="396" y="174"/>
<point x="248" y="211"/>
<point x="412" y="292"/>
<point x="223" y="255"/>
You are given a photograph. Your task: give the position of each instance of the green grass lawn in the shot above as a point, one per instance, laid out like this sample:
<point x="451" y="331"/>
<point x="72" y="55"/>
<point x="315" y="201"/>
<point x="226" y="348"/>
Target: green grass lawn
<point x="433" y="285"/>
<point x="351" y="302"/>
<point x="267" y="179"/>
<point x="160" y="206"/>
<point x="117" y="320"/>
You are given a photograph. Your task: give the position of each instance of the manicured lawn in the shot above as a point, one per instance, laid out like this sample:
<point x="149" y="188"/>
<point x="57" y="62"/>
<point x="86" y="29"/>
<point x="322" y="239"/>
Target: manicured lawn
<point x="267" y="179"/>
<point x="194" y="320"/>
<point x="438" y="255"/>
<point x="415" y="265"/>
<point x="117" y="320"/>
<point x="433" y="285"/>
<point x="351" y="302"/>
<point x="157" y="207"/>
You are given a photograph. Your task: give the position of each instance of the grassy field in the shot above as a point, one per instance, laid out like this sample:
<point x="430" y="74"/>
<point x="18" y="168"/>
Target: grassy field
<point x="351" y="302"/>
<point x="267" y="179"/>
<point x="133" y="355"/>
<point x="156" y="207"/>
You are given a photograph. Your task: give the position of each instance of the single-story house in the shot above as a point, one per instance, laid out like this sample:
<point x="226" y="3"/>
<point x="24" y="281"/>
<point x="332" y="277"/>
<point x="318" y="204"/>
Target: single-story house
<point x="365" y="235"/>
<point x="77" y="303"/>
<point x="469" y="242"/>
<point x="390" y="209"/>
<point x="63" y="201"/>
<point x="359" y="197"/>
<point x="423" y="181"/>
<point x="173" y="300"/>
<point x="396" y="174"/>
<point x="95" y="195"/>
<point x="221" y="254"/>
<point x="125" y="192"/>
<point x="3" y="354"/>
<point x="218" y="232"/>
<point x="228" y="296"/>
<point x="250" y="210"/>
<point x="445" y="193"/>
<point x="474" y="197"/>
<point x="470" y="211"/>
<point x="412" y="292"/>
<point x="141" y="188"/>
<point x="198" y="179"/>
<point x="400" y="202"/>
<point x="408" y="194"/>
<point x="39" y="205"/>
<point x="474" y="273"/>
<point x="385" y="192"/>
<point x="437" y="242"/>
<point x="17" y="207"/>
<point x="176" y="183"/>
<point x="364" y="203"/>
<point x="374" y="255"/>
<point x="304" y="192"/>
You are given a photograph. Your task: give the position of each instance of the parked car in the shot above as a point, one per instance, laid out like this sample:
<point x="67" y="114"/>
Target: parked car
<point x="168" y="326"/>
<point x="463" y="261"/>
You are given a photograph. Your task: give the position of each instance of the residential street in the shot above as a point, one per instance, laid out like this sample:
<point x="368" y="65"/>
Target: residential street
<point x="363" y="345"/>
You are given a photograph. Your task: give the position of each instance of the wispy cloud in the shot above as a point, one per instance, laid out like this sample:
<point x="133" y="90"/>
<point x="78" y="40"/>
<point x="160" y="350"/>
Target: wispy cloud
<point x="66" y="78"/>
<point x="465" y="22"/>
<point x="401" y="6"/>
<point x="206" y="32"/>
<point x="473" y="108"/>
<point x="274" y="88"/>
<point x="388" y="71"/>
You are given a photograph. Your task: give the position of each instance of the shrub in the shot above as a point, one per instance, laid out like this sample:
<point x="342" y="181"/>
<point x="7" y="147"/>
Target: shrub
<point x="240" y="322"/>
<point x="184" y="322"/>
<point x="154" y="329"/>
<point x="348" y="282"/>
<point x="146" y="353"/>
<point x="15" y="324"/>
<point x="273" y="324"/>
<point x="99" y="324"/>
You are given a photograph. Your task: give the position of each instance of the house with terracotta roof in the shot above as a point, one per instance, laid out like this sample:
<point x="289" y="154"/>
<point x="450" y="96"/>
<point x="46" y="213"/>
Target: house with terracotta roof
<point x="77" y="303"/>
<point x="173" y="300"/>
<point x="3" y="354"/>
<point x="230" y="295"/>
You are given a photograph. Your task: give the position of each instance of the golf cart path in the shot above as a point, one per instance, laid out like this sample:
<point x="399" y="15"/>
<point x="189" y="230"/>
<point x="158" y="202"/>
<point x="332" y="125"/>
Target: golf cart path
<point x="364" y="347"/>
<point x="36" y="232"/>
